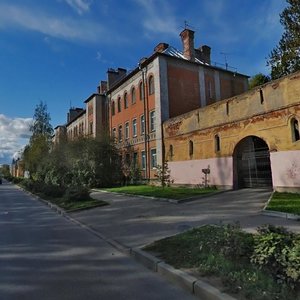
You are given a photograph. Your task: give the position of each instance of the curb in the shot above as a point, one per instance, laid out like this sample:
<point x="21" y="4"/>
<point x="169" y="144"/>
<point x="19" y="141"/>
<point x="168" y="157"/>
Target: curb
<point x="278" y="214"/>
<point x="174" y="201"/>
<point x="190" y="283"/>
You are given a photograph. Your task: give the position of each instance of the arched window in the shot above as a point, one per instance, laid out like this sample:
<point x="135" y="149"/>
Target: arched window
<point x="113" y="110"/>
<point x="191" y="148"/>
<point x="125" y="100"/>
<point x="119" y="104"/>
<point x="217" y="143"/>
<point x="141" y="88"/>
<point x="295" y="130"/>
<point x="151" y="85"/>
<point x="133" y="96"/>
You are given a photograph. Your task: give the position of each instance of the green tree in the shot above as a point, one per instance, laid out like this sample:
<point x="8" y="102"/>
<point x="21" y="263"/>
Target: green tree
<point x="285" y="57"/>
<point x="36" y="152"/>
<point x="257" y="80"/>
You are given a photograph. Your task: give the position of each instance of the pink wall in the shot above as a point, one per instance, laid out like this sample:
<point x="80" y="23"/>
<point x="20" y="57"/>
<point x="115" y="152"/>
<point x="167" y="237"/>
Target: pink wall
<point x="285" y="169"/>
<point x="190" y="171"/>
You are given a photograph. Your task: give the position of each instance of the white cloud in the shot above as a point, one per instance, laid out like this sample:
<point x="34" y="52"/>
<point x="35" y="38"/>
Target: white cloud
<point x="14" y="134"/>
<point x="37" y="20"/>
<point x="158" y="17"/>
<point x="80" y="6"/>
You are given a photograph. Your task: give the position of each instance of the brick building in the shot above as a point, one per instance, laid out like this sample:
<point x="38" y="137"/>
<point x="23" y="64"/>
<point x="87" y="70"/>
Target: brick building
<point x="249" y="140"/>
<point x="91" y="121"/>
<point x="165" y="85"/>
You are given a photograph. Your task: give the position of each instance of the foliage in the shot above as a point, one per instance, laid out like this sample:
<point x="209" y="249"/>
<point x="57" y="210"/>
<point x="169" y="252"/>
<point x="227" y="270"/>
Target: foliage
<point x="284" y="58"/>
<point x="225" y="251"/>
<point x="257" y="80"/>
<point x="279" y="251"/>
<point x="40" y="141"/>
<point x="41" y="122"/>
<point x="83" y="162"/>
<point x="77" y="193"/>
<point x="163" y="173"/>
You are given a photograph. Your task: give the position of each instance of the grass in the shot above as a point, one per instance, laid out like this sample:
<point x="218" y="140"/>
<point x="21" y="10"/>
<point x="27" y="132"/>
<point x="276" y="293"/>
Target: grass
<point x="285" y="202"/>
<point x="159" y="192"/>
<point x="225" y="253"/>
<point x="69" y="206"/>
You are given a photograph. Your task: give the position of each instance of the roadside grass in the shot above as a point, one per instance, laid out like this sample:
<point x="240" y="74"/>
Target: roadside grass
<point x="176" y="193"/>
<point x="222" y="252"/>
<point x="285" y="202"/>
<point x="69" y="206"/>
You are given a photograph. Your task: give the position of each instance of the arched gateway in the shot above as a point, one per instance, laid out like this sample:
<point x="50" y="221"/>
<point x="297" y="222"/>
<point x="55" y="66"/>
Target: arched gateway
<point x="252" y="167"/>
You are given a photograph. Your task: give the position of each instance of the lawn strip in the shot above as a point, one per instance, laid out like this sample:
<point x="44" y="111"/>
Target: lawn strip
<point x="285" y="202"/>
<point x="176" y="193"/>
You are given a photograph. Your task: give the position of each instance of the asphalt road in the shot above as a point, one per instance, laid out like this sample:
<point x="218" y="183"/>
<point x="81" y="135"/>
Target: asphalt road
<point x="45" y="256"/>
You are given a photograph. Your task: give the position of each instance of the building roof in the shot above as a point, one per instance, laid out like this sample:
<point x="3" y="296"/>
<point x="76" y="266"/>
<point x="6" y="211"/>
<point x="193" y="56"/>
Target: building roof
<point x="90" y="97"/>
<point x="169" y="52"/>
<point x="73" y="120"/>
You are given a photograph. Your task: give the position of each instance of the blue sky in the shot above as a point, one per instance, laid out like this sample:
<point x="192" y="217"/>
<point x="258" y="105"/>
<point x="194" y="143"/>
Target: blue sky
<point x="57" y="51"/>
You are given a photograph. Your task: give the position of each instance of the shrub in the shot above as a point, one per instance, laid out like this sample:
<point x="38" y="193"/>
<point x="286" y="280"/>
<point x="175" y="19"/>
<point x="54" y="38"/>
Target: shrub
<point x="279" y="251"/>
<point x="77" y="194"/>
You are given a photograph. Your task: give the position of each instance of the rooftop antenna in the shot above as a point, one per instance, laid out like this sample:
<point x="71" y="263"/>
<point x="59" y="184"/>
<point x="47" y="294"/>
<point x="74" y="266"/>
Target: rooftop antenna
<point x="187" y="25"/>
<point x="225" y="58"/>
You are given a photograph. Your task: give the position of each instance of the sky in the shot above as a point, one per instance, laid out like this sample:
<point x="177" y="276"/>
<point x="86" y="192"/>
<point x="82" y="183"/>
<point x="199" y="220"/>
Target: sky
<point x="57" y="51"/>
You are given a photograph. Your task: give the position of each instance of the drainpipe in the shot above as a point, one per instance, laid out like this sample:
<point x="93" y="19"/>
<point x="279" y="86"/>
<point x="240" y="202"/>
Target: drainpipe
<point x="145" y="99"/>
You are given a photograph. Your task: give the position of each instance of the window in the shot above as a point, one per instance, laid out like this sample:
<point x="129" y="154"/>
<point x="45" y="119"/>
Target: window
<point x="135" y="159"/>
<point x="126" y="130"/>
<point x="120" y="133"/>
<point x="91" y="128"/>
<point x="143" y="153"/>
<point x="142" y="125"/>
<point x="134" y="127"/>
<point x="141" y="88"/>
<point x="151" y="85"/>
<point x="114" y="133"/>
<point x="261" y="95"/>
<point x="133" y="96"/>
<point x="153" y="158"/>
<point x="210" y="90"/>
<point x="125" y="101"/>
<point x="191" y="148"/>
<point x="171" y="152"/>
<point x="152" y="120"/>
<point x="113" y="108"/>
<point x="295" y="130"/>
<point x="119" y="104"/>
<point x="217" y="143"/>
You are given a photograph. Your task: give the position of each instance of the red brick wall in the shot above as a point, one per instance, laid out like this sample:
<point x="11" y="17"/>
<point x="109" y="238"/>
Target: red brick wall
<point x="183" y="87"/>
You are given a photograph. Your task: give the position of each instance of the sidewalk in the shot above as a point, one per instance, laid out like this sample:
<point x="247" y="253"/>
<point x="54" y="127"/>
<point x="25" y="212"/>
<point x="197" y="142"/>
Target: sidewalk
<point x="136" y="221"/>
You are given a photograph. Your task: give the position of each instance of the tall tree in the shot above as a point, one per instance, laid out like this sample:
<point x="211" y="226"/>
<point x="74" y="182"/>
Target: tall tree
<point x="35" y="153"/>
<point x="41" y="122"/>
<point x="285" y="57"/>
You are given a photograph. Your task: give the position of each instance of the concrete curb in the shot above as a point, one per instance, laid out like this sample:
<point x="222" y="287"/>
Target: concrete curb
<point x="174" y="201"/>
<point x="278" y="214"/>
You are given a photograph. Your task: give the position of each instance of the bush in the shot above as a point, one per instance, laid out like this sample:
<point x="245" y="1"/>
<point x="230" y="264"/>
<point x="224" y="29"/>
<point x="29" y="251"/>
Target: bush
<point x="279" y="251"/>
<point x="77" y="194"/>
<point x="53" y="190"/>
<point x="17" y="180"/>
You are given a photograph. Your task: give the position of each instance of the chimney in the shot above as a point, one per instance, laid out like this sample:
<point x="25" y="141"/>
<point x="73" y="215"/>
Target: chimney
<point x="113" y="76"/>
<point x="102" y="88"/>
<point x="203" y="54"/>
<point x="187" y="37"/>
<point x="161" y="47"/>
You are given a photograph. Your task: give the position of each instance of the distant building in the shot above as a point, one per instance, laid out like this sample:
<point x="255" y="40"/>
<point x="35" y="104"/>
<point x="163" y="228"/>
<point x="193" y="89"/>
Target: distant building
<point x="89" y="122"/>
